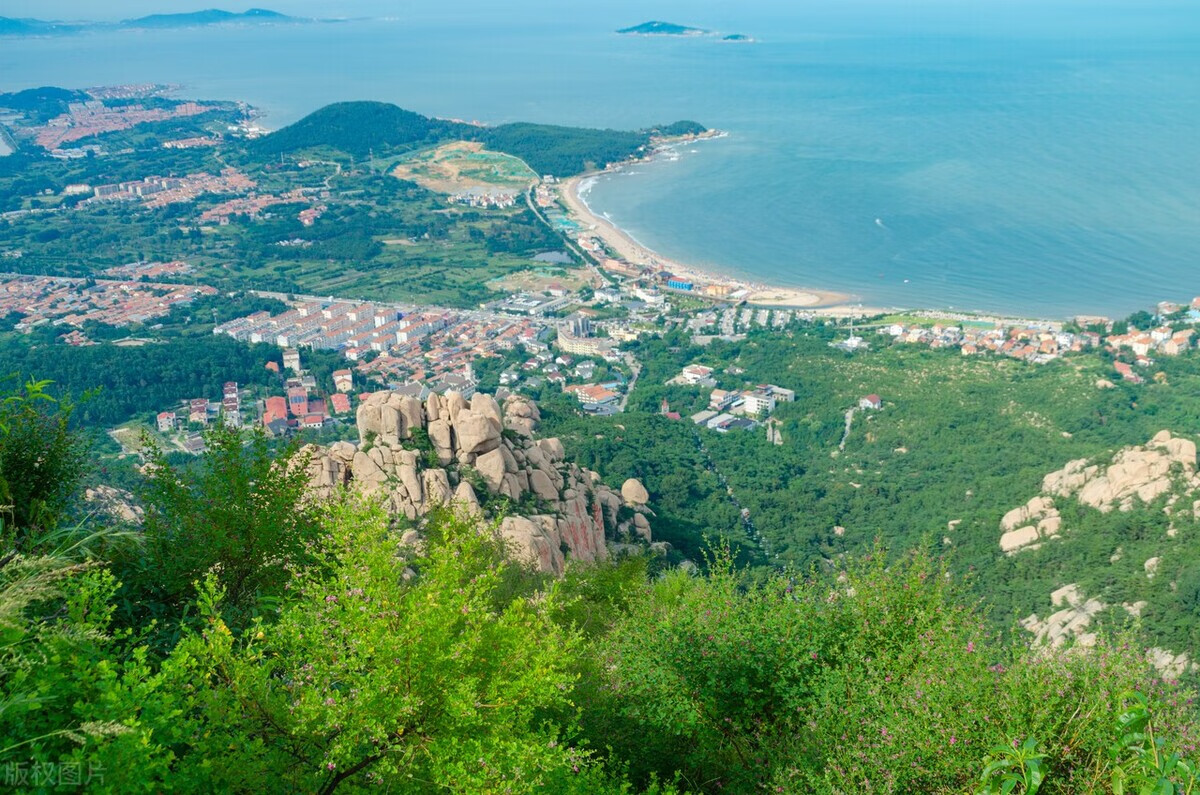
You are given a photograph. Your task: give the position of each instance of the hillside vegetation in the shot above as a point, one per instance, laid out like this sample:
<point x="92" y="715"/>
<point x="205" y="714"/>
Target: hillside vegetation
<point x="319" y="647"/>
<point x="362" y="128"/>
<point x="959" y="443"/>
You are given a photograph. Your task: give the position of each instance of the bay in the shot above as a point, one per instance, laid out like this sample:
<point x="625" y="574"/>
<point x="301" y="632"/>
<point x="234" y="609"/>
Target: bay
<point x="1038" y="159"/>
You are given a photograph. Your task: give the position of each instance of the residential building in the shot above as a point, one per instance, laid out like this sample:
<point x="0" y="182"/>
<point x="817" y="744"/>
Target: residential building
<point x="758" y="403"/>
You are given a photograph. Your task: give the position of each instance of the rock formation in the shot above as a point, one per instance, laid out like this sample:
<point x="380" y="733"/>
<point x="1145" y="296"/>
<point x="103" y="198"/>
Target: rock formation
<point x="1142" y="473"/>
<point x="117" y="504"/>
<point x="1071" y="624"/>
<point x="471" y="455"/>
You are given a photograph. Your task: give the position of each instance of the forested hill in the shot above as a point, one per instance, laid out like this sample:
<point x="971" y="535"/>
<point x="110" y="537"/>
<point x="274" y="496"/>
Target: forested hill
<point x="360" y="128"/>
<point x="357" y="128"/>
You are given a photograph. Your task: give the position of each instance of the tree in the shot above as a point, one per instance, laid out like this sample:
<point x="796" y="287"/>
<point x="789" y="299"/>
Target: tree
<point x="241" y="514"/>
<point x="41" y="460"/>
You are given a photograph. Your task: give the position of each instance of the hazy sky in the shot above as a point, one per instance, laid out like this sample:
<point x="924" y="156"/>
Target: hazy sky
<point x="983" y="17"/>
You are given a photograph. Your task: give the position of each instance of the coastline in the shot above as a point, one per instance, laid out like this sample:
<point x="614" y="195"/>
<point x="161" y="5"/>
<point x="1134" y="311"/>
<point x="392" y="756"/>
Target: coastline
<point x="624" y="246"/>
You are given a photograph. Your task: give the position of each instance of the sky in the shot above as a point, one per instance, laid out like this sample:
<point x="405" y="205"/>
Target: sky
<point x="958" y="16"/>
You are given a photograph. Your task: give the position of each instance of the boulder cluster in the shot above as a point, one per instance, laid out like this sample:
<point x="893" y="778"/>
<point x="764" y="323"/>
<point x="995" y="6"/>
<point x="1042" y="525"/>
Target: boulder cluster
<point x="1072" y="621"/>
<point x="448" y="451"/>
<point x="1142" y="473"/>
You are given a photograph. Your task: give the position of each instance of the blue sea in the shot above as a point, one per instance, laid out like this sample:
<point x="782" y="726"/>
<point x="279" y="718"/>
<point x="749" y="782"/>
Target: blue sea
<point x="1034" y="158"/>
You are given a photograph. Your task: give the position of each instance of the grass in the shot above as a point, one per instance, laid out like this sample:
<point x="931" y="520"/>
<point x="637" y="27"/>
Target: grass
<point x="458" y="166"/>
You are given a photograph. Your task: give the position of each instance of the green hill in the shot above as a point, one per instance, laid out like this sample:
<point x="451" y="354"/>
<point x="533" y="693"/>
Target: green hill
<point x="41" y="104"/>
<point x="657" y="28"/>
<point x="359" y="128"/>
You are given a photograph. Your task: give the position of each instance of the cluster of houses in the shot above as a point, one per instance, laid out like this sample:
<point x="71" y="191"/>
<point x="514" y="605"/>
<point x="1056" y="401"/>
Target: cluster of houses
<point x="93" y="117"/>
<point x="487" y="198"/>
<point x="1037" y="345"/>
<point x="299" y="406"/>
<point x="1042" y="344"/>
<point x="200" y="412"/>
<point x="1162" y="340"/>
<point x="730" y="409"/>
<point x="60" y="300"/>
<point x="161" y="191"/>
<point x="254" y="206"/>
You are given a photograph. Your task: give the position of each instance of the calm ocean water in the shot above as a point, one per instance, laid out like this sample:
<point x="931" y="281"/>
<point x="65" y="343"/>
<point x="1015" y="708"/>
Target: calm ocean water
<point x="1044" y="165"/>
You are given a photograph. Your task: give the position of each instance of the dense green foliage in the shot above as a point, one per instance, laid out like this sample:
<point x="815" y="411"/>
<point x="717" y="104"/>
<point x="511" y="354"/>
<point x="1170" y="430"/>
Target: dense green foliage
<point x="42" y="104"/>
<point x="312" y="648"/>
<point x="960" y="440"/>
<point x="682" y="127"/>
<point x="362" y="128"/>
<point x="240" y="516"/>
<point x="130" y="381"/>
<point x="41" y="462"/>
<point x="563" y="151"/>
<point x="357" y="128"/>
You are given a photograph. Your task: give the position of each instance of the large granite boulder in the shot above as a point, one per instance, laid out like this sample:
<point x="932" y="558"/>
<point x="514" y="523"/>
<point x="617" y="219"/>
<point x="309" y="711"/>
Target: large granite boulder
<point x="634" y="493"/>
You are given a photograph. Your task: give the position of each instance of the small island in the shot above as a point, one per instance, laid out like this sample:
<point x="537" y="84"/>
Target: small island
<point x="656" y="28"/>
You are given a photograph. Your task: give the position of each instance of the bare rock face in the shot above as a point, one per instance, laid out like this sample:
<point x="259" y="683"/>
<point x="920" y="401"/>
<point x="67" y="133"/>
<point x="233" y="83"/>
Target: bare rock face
<point x="1072" y="622"/>
<point x="116" y="503"/>
<point x="1142" y="473"/>
<point x="521" y="416"/>
<point x="530" y="543"/>
<point x="439" y="434"/>
<point x="437" y="487"/>
<point x="486" y="406"/>
<point x="412" y="414"/>
<point x="581" y="511"/>
<point x="1172" y="666"/>
<point x="464" y="497"/>
<point x="542" y="486"/>
<point x="634" y="493"/>
<point x="491" y="466"/>
<point x="1036" y="519"/>
<point x="475" y="433"/>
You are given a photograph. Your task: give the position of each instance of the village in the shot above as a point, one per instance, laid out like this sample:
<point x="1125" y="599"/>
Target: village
<point x="1044" y="343"/>
<point x="60" y="300"/>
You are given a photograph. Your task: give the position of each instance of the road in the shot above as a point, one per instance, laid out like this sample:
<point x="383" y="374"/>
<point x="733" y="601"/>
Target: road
<point x="636" y="367"/>
<point x="846" y="435"/>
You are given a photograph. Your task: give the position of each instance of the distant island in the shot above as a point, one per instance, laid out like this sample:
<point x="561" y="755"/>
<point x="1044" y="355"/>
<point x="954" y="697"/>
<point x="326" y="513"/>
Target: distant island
<point x="214" y="16"/>
<point x="658" y="28"/>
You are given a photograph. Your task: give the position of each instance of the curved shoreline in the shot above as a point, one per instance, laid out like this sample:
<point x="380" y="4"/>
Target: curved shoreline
<point x="626" y="247"/>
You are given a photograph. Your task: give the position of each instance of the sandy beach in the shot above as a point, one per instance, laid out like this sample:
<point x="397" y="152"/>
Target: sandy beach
<point x="625" y="247"/>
